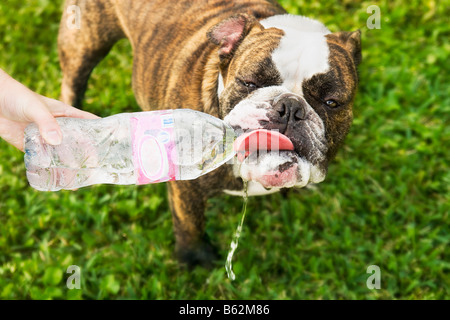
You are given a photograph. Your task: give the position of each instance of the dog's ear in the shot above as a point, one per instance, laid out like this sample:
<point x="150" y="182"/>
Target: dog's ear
<point x="351" y="41"/>
<point x="229" y="33"/>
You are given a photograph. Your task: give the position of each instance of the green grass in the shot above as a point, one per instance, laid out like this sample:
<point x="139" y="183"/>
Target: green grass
<point x="385" y="201"/>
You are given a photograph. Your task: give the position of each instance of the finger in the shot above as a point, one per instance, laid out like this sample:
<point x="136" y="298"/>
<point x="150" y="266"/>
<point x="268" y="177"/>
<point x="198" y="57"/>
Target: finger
<point x="60" y="109"/>
<point x="48" y="127"/>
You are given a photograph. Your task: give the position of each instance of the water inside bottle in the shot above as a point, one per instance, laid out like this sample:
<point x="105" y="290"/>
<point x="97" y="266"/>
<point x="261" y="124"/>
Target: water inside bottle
<point x="237" y="235"/>
<point x="204" y="150"/>
<point x="89" y="154"/>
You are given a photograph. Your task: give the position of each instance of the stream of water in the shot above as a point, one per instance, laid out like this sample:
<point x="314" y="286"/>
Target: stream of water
<point x="237" y="235"/>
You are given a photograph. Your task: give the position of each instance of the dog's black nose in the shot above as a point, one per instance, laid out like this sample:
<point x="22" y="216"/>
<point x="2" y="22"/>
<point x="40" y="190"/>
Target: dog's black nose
<point x="291" y="109"/>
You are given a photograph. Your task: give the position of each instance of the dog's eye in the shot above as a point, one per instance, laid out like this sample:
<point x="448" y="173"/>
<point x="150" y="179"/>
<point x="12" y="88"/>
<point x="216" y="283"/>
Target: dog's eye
<point x="249" y="85"/>
<point x="331" y="104"/>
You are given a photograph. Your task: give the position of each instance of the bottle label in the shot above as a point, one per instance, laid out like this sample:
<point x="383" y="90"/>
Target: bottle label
<point x="154" y="150"/>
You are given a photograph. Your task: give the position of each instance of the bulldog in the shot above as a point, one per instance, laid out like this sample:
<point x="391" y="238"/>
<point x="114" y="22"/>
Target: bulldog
<point x="245" y="61"/>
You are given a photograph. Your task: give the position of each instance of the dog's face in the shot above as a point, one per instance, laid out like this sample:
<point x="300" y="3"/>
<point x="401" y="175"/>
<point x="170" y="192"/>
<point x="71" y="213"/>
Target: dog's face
<point x="290" y="74"/>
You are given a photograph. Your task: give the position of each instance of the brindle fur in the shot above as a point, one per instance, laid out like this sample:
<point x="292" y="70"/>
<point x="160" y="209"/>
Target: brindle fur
<point x="175" y="65"/>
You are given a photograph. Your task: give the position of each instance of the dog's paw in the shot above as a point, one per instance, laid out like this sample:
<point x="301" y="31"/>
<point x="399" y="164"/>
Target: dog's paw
<point x="202" y="254"/>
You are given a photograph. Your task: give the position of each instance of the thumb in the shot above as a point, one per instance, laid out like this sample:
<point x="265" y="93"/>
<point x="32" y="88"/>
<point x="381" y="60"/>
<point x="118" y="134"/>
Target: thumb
<point x="48" y="127"/>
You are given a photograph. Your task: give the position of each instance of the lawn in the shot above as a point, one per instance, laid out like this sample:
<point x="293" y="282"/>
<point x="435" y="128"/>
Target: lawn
<point x="385" y="201"/>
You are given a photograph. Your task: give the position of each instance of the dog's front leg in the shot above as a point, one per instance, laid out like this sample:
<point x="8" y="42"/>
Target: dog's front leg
<point x="187" y="204"/>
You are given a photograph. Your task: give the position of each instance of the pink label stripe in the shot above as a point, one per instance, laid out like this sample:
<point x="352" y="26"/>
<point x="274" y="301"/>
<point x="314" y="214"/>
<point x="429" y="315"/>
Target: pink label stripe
<point x="154" y="149"/>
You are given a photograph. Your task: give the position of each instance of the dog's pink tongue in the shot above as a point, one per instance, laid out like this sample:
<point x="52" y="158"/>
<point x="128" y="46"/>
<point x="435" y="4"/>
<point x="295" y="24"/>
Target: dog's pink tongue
<point x="261" y="139"/>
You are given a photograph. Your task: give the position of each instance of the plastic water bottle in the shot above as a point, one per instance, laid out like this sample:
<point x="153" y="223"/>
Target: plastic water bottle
<point x="128" y="148"/>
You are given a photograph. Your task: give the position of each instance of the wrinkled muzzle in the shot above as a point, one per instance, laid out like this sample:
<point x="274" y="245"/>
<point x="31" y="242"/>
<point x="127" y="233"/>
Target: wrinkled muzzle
<point x="288" y="117"/>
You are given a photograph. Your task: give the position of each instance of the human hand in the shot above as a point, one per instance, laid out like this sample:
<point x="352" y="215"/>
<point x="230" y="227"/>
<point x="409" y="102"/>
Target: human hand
<point x="19" y="106"/>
